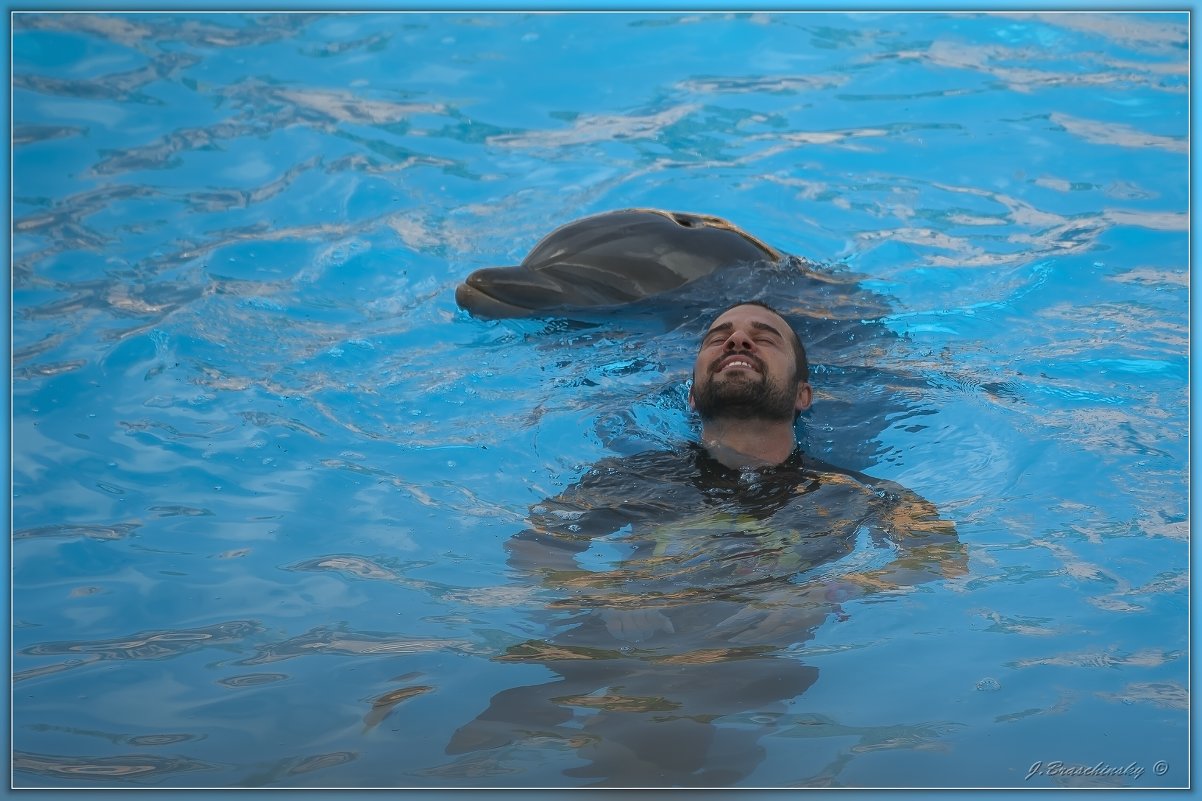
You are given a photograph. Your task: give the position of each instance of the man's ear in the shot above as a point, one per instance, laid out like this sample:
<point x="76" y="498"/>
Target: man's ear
<point x="805" y="396"/>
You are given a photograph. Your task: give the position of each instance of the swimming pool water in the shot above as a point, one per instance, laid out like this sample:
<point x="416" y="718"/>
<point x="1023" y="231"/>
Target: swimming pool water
<point x="264" y="468"/>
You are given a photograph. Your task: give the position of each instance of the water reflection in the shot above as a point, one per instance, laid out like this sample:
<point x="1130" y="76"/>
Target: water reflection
<point x="28" y="134"/>
<point x="99" y="771"/>
<point x="157" y="644"/>
<point x="330" y="640"/>
<point x="252" y="679"/>
<point x="123" y="87"/>
<point x="383" y="705"/>
<point x="285" y="769"/>
<point x="1167" y="695"/>
<point x="116" y="531"/>
<point x="150" y="32"/>
<point x="226" y="199"/>
<point x="120" y="739"/>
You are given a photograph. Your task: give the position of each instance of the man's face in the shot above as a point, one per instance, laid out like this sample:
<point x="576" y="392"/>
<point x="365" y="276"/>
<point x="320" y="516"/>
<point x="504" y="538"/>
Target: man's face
<point x="746" y="369"/>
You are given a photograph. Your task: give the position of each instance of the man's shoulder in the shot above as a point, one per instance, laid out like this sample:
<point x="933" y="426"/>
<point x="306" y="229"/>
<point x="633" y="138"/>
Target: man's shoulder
<point x="902" y="511"/>
<point x="881" y="487"/>
<point x="650" y="464"/>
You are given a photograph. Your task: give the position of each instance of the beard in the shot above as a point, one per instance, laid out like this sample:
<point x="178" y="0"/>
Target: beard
<point x="745" y="399"/>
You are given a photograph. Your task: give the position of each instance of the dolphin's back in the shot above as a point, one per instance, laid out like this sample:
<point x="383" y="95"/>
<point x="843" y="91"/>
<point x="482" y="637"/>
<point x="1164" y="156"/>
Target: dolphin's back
<point x="688" y="245"/>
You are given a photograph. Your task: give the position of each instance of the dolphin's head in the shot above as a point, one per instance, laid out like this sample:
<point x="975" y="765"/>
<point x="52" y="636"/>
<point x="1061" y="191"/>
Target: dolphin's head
<point x="610" y="259"/>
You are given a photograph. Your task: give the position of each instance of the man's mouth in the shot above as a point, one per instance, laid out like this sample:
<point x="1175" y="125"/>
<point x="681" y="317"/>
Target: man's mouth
<point x="737" y="362"/>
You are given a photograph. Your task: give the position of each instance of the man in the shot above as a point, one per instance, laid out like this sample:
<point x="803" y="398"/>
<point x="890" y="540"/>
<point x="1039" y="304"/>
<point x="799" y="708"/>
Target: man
<point x="750" y="382"/>
<point x="684" y="579"/>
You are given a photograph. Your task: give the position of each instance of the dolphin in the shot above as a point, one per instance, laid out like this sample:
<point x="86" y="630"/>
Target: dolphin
<point x="612" y="259"/>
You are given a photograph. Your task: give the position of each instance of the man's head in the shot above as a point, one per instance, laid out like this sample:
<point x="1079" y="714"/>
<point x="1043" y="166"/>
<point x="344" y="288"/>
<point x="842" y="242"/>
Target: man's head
<point x="751" y="365"/>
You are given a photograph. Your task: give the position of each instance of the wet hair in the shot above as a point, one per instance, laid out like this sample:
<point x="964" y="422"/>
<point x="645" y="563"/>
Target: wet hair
<point x="802" y="364"/>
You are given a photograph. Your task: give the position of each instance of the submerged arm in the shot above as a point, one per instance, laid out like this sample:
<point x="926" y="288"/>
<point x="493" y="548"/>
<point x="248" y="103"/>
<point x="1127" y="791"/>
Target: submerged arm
<point x="562" y="527"/>
<point x="928" y="548"/>
<point x="552" y="542"/>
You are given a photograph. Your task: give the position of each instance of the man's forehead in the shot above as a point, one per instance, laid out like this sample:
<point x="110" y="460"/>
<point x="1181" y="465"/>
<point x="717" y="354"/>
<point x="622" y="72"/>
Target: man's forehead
<point x="756" y="314"/>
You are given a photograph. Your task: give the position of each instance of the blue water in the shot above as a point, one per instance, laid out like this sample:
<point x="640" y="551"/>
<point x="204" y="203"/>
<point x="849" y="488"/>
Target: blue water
<point x="264" y="468"/>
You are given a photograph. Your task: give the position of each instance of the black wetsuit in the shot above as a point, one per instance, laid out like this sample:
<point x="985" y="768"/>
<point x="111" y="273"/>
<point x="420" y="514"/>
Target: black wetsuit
<point x="678" y="591"/>
<point x="682" y="519"/>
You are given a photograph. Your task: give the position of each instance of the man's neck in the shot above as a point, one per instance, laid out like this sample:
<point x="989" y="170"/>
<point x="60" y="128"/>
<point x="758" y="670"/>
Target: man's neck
<point x="748" y="443"/>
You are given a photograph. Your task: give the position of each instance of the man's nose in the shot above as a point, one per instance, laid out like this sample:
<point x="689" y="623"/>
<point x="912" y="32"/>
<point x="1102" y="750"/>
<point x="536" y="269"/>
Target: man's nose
<point x="739" y="340"/>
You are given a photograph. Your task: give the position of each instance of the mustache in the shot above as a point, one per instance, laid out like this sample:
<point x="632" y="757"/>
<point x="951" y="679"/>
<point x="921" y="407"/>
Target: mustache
<point x="742" y="354"/>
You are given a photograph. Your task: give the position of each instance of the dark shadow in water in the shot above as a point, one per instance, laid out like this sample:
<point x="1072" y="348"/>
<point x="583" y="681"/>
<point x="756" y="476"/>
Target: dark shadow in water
<point x="643" y="717"/>
<point x="841" y="323"/>
<point x="679" y="591"/>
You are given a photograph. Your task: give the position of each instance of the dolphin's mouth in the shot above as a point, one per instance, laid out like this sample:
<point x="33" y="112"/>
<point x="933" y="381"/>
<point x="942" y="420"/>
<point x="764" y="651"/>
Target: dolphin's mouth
<point x="478" y="302"/>
<point x="508" y="292"/>
<point x="519" y="291"/>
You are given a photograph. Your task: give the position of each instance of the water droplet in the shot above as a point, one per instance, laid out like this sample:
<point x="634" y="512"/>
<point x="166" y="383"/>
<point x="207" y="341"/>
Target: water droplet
<point x="988" y="684"/>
